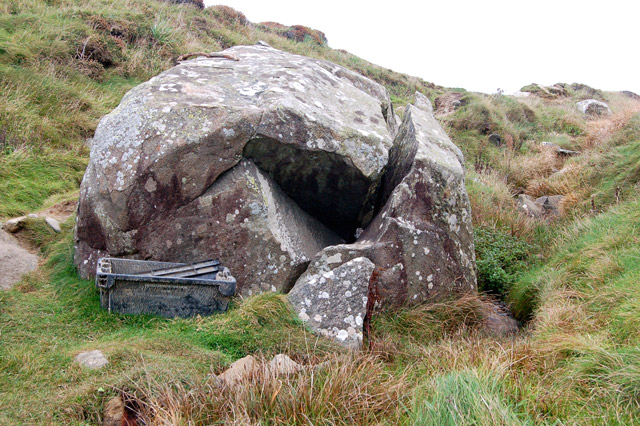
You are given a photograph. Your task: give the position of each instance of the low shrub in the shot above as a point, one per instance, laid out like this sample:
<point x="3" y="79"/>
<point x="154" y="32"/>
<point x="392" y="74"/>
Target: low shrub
<point x="500" y="259"/>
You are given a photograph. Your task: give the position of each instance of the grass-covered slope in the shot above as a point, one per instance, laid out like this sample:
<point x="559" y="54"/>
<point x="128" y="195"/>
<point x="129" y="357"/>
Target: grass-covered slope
<point x="573" y="281"/>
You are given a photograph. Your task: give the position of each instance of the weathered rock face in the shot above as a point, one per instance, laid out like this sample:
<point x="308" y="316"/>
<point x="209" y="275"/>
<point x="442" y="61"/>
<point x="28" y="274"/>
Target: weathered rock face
<point x="321" y="132"/>
<point x="594" y="108"/>
<point x="333" y="299"/>
<point x="420" y="242"/>
<point x="264" y="237"/>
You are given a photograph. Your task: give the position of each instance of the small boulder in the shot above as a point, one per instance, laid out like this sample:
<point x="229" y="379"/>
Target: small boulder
<point x="14" y="225"/>
<point x="92" y="360"/>
<point x="53" y="224"/>
<point x="15" y="261"/>
<point x="560" y="151"/>
<point x="331" y="297"/>
<point x="281" y="364"/>
<point x="550" y="204"/>
<point x="500" y="322"/>
<point x="495" y="139"/>
<point x="527" y="205"/>
<point x="240" y="371"/>
<point x="594" y="108"/>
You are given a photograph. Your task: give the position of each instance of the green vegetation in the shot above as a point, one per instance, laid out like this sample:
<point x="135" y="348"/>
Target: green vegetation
<point x="500" y="259"/>
<point x="573" y="280"/>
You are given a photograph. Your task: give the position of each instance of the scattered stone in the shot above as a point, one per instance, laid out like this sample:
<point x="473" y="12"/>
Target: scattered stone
<point x="566" y="152"/>
<point x="319" y="131"/>
<point x="92" y="360"/>
<point x="527" y="204"/>
<point x="548" y="92"/>
<point x="240" y="371"/>
<point x="500" y="322"/>
<point x="114" y="412"/>
<point x="594" y="108"/>
<point x="54" y="224"/>
<point x="495" y="139"/>
<point x="15" y="261"/>
<point x="542" y="207"/>
<point x="281" y="364"/>
<point x="550" y="204"/>
<point x="561" y="151"/>
<point x="14" y="225"/>
<point x="587" y="92"/>
<point x="332" y="300"/>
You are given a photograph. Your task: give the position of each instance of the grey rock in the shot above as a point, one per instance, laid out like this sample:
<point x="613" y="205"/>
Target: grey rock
<point x="550" y="204"/>
<point x="422" y="102"/>
<point x="53" y="224"/>
<point x="15" y="261"/>
<point x="14" y="225"/>
<point x="495" y="139"/>
<point x="527" y="204"/>
<point x="281" y="364"/>
<point x="331" y="297"/>
<point x="542" y="207"/>
<point x="560" y="151"/>
<point x="320" y="131"/>
<point x="264" y="238"/>
<point x="594" y="108"/>
<point x="567" y="152"/>
<point x="92" y="360"/>
<point x="499" y="321"/>
<point x="421" y="241"/>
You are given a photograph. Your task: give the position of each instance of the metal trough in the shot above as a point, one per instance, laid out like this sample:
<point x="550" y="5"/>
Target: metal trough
<point x="164" y="288"/>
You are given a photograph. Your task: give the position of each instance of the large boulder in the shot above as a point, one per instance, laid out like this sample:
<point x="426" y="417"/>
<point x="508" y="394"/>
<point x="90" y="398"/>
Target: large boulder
<point x="594" y="108"/>
<point x="317" y="130"/>
<point x="420" y="242"/>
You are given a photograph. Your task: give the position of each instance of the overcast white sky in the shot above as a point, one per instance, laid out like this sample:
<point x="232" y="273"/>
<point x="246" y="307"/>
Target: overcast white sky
<point x="478" y="45"/>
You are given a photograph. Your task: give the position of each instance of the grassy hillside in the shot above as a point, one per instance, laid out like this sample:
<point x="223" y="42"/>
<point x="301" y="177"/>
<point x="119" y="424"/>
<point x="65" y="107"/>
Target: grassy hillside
<point x="572" y="281"/>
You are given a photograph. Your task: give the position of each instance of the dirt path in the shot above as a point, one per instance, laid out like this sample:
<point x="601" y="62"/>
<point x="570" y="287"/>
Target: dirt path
<point x="15" y="261"/>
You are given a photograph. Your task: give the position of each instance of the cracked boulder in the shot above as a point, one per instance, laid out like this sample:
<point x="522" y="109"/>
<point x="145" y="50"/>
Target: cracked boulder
<point x="318" y="131"/>
<point x="421" y="241"/>
<point x="264" y="237"/>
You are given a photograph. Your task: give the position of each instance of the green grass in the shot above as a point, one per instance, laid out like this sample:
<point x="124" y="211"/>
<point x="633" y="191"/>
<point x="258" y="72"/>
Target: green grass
<point x="52" y="315"/>
<point x="27" y="179"/>
<point x="576" y="363"/>
<point x="465" y="397"/>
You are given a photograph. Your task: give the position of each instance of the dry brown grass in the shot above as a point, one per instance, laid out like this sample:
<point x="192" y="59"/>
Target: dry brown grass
<point x="345" y="390"/>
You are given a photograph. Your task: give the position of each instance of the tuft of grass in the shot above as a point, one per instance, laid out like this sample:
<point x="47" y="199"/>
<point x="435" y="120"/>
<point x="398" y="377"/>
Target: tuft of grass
<point x="465" y="397"/>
